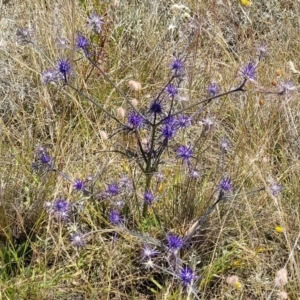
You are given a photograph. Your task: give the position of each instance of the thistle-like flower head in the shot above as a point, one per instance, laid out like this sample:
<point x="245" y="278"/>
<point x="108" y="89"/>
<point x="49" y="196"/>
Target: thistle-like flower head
<point x="184" y="152"/>
<point x="172" y="90"/>
<point x="95" y="22"/>
<point x="177" y="65"/>
<point x="213" y="89"/>
<point x="149" y="198"/>
<point x="81" y="41"/>
<point x="77" y="240"/>
<point x="249" y="71"/>
<point x="225" y="184"/>
<point x="183" y="121"/>
<point x="275" y="189"/>
<point x="135" y="120"/>
<point x="79" y="185"/>
<point x="187" y="275"/>
<point x="61" y="209"/>
<point x="148" y="252"/>
<point x="115" y="218"/>
<point x="64" y="67"/>
<point x="113" y="189"/>
<point x="156" y="107"/>
<point x="174" y="242"/>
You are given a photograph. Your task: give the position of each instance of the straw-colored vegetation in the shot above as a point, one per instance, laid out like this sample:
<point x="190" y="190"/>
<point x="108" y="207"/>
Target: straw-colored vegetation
<point x="246" y="245"/>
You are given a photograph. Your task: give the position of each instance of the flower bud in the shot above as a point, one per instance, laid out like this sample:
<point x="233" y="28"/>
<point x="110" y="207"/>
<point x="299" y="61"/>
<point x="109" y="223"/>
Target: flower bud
<point x="103" y="135"/>
<point x="121" y="113"/>
<point x="135" y="85"/>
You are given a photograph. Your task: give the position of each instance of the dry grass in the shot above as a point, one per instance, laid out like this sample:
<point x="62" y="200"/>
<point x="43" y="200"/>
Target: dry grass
<point x="239" y="237"/>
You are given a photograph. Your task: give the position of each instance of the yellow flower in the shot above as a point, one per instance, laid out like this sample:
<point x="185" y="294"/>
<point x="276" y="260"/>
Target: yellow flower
<point x="238" y="285"/>
<point x="279" y="229"/>
<point x="246" y="2"/>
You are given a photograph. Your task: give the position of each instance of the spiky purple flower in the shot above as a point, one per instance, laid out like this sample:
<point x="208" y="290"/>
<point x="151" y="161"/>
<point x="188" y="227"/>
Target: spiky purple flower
<point x="125" y="183"/>
<point x="183" y="121"/>
<point x="62" y="43"/>
<point x="249" y="71"/>
<point x="45" y="158"/>
<point x="79" y="185"/>
<point x="168" y="131"/>
<point x="95" y="22"/>
<point x="224" y="144"/>
<point x="225" y="184"/>
<point x="275" y="189"/>
<point x="113" y="189"/>
<point x="177" y="65"/>
<point x="149" y="198"/>
<point x="148" y="252"/>
<point x="184" y="152"/>
<point x="156" y="107"/>
<point x="42" y="161"/>
<point x="77" y="240"/>
<point x="24" y="35"/>
<point x="50" y="76"/>
<point x="194" y="174"/>
<point x="286" y="87"/>
<point x="213" y="89"/>
<point x="187" y="275"/>
<point x="81" y="42"/>
<point x="135" y="120"/>
<point x="61" y="208"/>
<point x="64" y="68"/>
<point x="174" y="242"/>
<point x="172" y="90"/>
<point x="262" y="51"/>
<point x="115" y="218"/>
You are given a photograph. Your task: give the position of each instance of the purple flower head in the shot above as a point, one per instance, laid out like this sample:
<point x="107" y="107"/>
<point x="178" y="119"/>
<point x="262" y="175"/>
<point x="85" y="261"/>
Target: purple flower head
<point x="225" y="184"/>
<point x="62" y="43"/>
<point x="159" y="177"/>
<point x="148" y="252"/>
<point x="45" y="158"/>
<point x="125" y="183"/>
<point x="174" y="242"/>
<point x="172" y="90"/>
<point x="286" y="87"/>
<point x="168" y="131"/>
<point x="77" y="240"/>
<point x="149" y="198"/>
<point x="156" y="107"/>
<point x="64" y="68"/>
<point x="170" y="121"/>
<point x="135" y="120"/>
<point x="115" y="218"/>
<point x="177" y="65"/>
<point x="184" y="152"/>
<point x="249" y="71"/>
<point x="194" y="174"/>
<point x="24" y="35"/>
<point x="187" y="276"/>
<point x="79" y="185"/>
<point x="95" y="22"/>
<point x="81" y="41"/>
<point x="183" y="121"/>
<point x="208" y="123"/>
<point x="275" y="189"/>
<point x="113" y="189"/>
<point x="213" y="89"/>
<point x="262" y="51"/>
<point x="50" y="76"/>
<point x="224" y="144"/>
<point x="42" y="161"/>
<point x="61" y="208"/>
